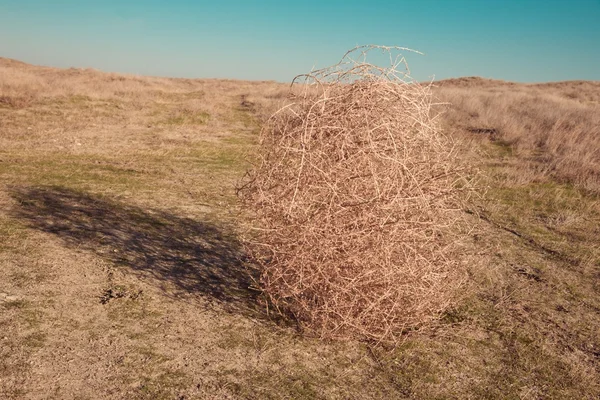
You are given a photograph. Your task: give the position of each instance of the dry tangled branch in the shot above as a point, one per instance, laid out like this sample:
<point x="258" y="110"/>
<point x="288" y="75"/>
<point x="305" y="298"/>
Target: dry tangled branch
<point x="357" y="198"/>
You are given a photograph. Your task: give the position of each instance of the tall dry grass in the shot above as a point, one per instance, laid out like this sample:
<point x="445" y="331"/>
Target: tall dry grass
<point x="23" y="85"/>
<point x="357" y="199"/>
<point x="555" y="126"/>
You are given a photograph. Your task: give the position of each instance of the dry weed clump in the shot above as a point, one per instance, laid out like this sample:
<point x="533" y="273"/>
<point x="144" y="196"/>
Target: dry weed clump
<point x="357" y="197"/>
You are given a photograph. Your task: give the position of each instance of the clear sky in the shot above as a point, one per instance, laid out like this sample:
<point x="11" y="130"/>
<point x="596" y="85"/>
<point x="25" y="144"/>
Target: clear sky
<point x="519" y="40"/>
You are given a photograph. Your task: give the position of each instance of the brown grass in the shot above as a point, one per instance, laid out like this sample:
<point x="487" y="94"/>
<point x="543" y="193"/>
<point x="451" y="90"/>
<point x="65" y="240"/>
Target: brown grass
<point x="121" y="275"/>
<point x="554" y="126"/>
<point x="358" y="197"/>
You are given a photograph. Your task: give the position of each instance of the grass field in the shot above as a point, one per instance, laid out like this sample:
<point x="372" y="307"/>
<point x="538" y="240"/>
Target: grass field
<point x="122" y="275"/>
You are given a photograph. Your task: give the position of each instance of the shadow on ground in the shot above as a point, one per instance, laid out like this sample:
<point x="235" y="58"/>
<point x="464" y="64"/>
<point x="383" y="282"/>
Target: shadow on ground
<point x="183" y="256"/>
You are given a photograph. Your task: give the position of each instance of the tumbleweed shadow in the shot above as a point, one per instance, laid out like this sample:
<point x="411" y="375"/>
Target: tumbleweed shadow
<point x="182" y="255"/>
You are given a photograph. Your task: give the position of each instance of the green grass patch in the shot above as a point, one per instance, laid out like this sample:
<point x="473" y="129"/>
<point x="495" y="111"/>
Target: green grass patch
<point x="77" y="172"/>
<point x="164" y="386"/>
<point x="559" y="218"/>
<point x="187" y="117"/>
<point x="246" y="118"/>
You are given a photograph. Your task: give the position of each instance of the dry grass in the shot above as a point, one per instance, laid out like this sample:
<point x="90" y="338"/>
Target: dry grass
<point x="555" y="127"/>
<point x="121" y="277"/>
<point x="117" y="134"/>
<point x="358" y="197"/>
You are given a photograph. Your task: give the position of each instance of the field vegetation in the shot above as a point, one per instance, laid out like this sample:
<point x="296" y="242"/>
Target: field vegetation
<point x="122" y="274"/>
<point x="553" y="127"/>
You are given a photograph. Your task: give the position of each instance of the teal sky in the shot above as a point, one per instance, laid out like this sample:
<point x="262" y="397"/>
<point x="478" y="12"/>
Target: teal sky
<point x="525" y="41"/>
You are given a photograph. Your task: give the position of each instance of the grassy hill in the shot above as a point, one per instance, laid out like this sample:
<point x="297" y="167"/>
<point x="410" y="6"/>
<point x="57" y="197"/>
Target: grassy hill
<point x="121" y="273"/>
